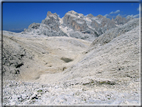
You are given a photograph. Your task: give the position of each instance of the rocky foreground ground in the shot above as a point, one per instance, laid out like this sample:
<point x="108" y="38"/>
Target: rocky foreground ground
<point x="29" y="93"/>
<point x="40" y="70"/>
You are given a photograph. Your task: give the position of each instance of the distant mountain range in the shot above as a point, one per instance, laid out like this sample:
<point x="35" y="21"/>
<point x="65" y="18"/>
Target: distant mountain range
<point x="75" y="25"/>
<point x="15" y="30"/>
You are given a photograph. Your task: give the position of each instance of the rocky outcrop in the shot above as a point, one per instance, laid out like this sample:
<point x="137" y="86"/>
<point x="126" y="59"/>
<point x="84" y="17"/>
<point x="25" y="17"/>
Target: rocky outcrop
<point x="52" y="20"/>
<point x="113" y="33"/>
<point x="14" y="56"/>
<point x="120" y="20"/>
<point x="49" y="26"/>
<point x="76" y="22"/>
<point x="69" y="16"/>
<point x="101" y="24"/>
<point x="34" y="26"/>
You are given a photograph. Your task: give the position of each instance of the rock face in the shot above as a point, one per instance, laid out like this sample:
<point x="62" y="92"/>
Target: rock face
<point x="88" y="24"/>
<point x="34" y="26"/>
<point x="74" y="20"/>
<point x="113" y="33"/>
<point x="104" y="24"/>
<point x="49" y="26"/>
<point x="74" y="24"/>
<point x="120" y="20"/>
<point x="52" y="21"/>
<point x="13" y="56"/>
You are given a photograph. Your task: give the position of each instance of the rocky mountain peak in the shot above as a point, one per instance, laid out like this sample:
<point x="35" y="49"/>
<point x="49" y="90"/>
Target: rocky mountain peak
<point x="129" y="17"/>
<point x="49" y="13"/>
<point x="118" y="17"/>
<point x="100" y="16"/>
<point x="120" y="20"/>
<point x="52" y="15"/>
<point x="72" y="12"/>
<point x="90" y="15"/>
<point x="112" y="19"/>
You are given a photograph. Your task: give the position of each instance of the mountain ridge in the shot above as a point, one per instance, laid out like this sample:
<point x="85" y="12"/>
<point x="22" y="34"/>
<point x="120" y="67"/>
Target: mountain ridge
<point x="74" y="24"/>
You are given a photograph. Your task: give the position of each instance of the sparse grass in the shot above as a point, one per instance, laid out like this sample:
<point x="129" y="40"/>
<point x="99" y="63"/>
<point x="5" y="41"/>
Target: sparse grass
<point x="106" y="82"/>
<point x="85" y="83"/>
<point x="64" y="68"/>
<point x="77" y="93"/>
<point x="102" y="82"/>
<point x="89" y="83"/>
<point x="92" y="81"/>
<point x="39" y="91"/>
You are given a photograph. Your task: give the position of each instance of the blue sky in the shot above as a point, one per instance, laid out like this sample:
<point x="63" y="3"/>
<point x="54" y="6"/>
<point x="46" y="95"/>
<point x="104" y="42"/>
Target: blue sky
<point x="17" y="16"/>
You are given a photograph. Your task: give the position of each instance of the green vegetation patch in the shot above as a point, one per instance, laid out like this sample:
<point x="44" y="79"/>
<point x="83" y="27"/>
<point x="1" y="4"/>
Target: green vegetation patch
<point x="106" y="82"/>
<point x="66" y="59"/>
<point x="39" y="91"/>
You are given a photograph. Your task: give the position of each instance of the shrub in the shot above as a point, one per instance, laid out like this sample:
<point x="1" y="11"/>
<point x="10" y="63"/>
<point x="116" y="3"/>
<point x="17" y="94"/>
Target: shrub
<point x="66" y="59"/>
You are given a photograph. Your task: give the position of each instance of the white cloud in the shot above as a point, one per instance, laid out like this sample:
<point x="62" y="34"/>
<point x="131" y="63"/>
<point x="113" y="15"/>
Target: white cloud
<point x="110" y="16"/>
<point x="136" y="16"/>
<point x="118" y="15"/>
<point x="106" y="15"/>
<point x="117" y="11"/>
<point x="133" y="16"/>
<point x="111" y="12"/>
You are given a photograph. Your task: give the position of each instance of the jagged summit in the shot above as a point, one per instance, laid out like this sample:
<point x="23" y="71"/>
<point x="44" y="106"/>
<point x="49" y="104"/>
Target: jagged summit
<point x="120" y="20"/>
<point x="72" y="11"/>
<point x="49" y="13"/>
<point x="100" y="16"/>
<point x="90" y="15"/>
